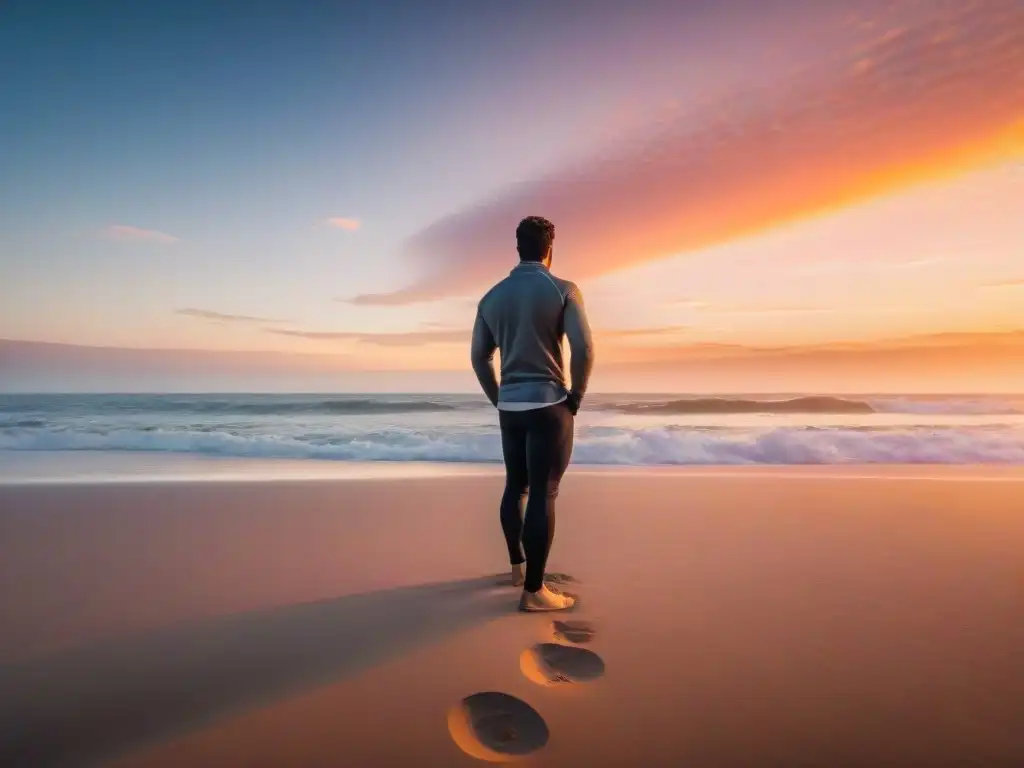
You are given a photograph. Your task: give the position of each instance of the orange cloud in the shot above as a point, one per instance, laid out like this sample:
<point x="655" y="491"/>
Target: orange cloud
<point x="995" y="342"/>
<point x="965" y="361"/>
<point x="924" y="100"/>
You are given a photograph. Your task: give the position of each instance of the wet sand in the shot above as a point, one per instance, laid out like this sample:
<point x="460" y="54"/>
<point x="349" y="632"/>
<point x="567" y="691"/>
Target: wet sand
<point x="847" y="617"/>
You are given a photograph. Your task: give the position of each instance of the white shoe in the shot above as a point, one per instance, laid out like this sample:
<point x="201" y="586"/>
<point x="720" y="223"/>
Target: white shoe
<point x="544" y="599"/>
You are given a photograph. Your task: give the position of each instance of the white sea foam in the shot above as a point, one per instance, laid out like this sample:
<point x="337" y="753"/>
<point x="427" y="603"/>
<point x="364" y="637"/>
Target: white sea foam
<point x="947" y="405"/>
<point x="650" y="446"/>
<point x="613" y="429"/>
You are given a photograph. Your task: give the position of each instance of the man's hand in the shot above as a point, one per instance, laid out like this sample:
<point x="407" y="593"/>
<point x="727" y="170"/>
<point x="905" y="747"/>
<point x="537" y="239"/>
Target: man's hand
<point x="572" y="400"/>
<point x="581" y="346"/>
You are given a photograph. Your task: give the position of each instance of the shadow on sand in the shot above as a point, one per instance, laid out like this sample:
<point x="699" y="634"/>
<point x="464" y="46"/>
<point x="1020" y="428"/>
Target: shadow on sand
<point x="97" y="701"/>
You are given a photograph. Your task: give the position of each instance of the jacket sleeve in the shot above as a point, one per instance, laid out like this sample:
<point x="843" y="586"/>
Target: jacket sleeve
<point x="481" y="355"/>
<point x="581" y="343"/>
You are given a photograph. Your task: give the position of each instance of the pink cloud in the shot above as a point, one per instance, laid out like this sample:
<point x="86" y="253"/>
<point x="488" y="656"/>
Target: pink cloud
<point x="125" y="233"/>
<point x="922" y="104"/>
<point x="341" y="222"/>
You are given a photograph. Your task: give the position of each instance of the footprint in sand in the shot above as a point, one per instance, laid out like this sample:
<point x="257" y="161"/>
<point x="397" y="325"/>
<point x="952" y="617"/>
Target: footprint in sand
<point x="497" y="727"/>
<point x="578" y="632"/>
<point x="553" y="664"/>
<point x="560" y="578"/>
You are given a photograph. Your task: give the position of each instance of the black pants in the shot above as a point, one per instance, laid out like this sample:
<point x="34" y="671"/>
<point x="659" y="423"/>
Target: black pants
<point x="536" y="445"/>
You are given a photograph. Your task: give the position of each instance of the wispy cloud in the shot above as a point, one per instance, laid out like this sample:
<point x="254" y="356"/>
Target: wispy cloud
<point x="717" y="309"/>
<point x="937" y="344"/>
<point x="343" y="222"/>
<point x="687" y="303"/>
<point x="930" y="104"/>
<point x="395" y="339"/>
<point x="633" y="333"/>
<point x="1004" y="284"/>
<point x="395" y="299"/>
<point x="755" y="311"/>
<point x="448" y="335"/>
<point x="707" y="307"/>
<point x="221" y="317"/>
<point x="437" y="325"/>
<point x="57" y="362"/>
<point x="125" y="233"/>
<point x="850" y="267"/>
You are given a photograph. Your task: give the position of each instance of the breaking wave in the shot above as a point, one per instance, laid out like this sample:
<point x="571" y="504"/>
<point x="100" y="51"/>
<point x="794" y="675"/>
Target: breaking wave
<point x="594" y="445"/>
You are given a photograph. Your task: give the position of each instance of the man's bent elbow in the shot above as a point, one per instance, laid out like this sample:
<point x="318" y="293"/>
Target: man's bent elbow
<point x="480" y="356"/>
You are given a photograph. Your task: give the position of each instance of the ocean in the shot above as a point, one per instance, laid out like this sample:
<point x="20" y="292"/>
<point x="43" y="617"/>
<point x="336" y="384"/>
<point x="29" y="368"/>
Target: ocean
<point x="625" y="430"/>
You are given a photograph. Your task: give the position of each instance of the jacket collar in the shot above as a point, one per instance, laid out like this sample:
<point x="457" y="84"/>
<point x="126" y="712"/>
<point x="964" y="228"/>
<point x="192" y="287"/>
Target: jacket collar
<point x="524" y="265"/>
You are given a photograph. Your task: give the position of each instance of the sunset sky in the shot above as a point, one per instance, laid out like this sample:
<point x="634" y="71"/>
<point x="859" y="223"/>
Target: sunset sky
<point x="753" y="195"/>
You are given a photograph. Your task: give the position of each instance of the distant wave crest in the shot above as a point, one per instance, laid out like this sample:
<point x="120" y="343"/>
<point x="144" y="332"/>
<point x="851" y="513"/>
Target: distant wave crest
<point x="723" y="405"/>
<point x="231" y="405"/>
<point x="31" y="408"/>
<point x="351" y="407"/>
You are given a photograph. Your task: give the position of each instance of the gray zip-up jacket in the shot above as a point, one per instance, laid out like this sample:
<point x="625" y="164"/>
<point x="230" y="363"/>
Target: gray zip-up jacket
<point x="524" y="317"/>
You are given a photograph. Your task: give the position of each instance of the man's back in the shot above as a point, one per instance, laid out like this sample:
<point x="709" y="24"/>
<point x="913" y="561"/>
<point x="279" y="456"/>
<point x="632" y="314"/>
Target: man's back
<point x="525" y="317"/>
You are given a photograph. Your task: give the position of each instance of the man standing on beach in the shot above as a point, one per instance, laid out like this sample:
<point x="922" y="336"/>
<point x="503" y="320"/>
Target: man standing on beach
<point x="524" y="317"/>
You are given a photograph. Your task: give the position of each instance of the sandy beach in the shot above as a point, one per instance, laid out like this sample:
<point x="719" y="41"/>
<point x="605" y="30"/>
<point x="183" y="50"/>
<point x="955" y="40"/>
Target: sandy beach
<point x="742" y="617"/>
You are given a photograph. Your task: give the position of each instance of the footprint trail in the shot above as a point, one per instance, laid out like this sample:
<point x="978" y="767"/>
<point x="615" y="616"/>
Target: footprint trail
<point x="554" y="664"/>
<point x="496" y="727"/>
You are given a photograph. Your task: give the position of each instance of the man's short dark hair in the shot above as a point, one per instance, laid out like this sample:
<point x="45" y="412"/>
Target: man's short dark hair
<point x="534" y="236"/>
